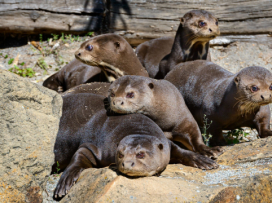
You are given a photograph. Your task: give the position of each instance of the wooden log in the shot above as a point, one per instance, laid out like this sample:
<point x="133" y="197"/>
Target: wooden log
<point x="136" y="20"/>
<point x="39" y="16"/>
<point x="147" y="19"/>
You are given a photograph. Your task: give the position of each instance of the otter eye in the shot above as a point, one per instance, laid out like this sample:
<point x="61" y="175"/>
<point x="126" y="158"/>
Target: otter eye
<point x="120" y="155"/>
<point x="254" y="89"/>
<point x="140" y="155"/>
<point x="216" y="23"/>
<point x="89" y="48"/>
<point x="270" y="87"/>
<point x="130" y="95"/>
<point x="201" y="24"/>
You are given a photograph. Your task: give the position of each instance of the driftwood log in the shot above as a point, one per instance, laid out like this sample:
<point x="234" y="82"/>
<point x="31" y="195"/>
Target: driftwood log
<point x="136" y="20"/>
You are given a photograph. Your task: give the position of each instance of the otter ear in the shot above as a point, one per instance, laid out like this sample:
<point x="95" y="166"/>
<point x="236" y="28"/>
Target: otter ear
<point x="237" y="80"/>
<point x="182" y="20"/>
<point x="151" y="85"/>
<point x="160" y="146"/>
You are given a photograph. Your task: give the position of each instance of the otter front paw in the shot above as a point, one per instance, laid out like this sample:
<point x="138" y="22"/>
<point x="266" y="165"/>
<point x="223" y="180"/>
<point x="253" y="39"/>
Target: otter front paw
<point x="202" y="162"/>
<point x="67" y="180"/>
<point x="211" y="152"/>
<point x="265" y="133"/>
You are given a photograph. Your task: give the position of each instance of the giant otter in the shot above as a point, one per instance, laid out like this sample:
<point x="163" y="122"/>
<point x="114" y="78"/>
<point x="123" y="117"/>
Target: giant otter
<point x="228" y="100"/>
<point x="191" y="42"/>
<point x="161" y="101"/>
<point x="89" y="136"/>
<point x="113" y="54"/>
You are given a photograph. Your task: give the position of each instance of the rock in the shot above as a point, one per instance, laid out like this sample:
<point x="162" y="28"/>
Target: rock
<point x="244" y="175"/>
<point x="29" y="123"/>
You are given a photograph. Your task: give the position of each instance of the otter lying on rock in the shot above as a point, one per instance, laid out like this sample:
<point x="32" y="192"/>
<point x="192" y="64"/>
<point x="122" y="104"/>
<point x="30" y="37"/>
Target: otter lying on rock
<point x="191" y="42"/>
<point x="90" y="137"/>
<point x="228" y="100"/>
<point x="161" y="101"/>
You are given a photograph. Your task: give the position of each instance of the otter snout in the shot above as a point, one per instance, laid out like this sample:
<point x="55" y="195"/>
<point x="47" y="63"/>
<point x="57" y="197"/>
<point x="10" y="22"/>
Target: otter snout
<point x="128" y="165"/>
<point x="118" y="102"/>
<point x="266" y="97"/>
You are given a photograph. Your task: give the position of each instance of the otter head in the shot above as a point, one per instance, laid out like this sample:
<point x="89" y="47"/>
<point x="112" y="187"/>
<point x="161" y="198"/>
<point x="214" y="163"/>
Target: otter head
<point x="142" y="155"/>
<point x="111" y="53"/>
<point x="201" y="25"/>
<point x="131" y="94"/>
<point x="254" y="86"/>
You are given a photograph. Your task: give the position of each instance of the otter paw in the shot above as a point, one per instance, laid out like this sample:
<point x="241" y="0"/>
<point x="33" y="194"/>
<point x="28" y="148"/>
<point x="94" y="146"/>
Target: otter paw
<point x="265" y="133"/>
<point x="211" y="152"/>
<point x="202" y="162"/>
<point x="67" y="180"/>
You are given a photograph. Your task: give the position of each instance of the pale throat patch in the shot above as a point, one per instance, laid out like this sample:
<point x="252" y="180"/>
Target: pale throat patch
<point x="110" y="78"/>
<point x="117" y="70"/>
<point x="201" y="53"/>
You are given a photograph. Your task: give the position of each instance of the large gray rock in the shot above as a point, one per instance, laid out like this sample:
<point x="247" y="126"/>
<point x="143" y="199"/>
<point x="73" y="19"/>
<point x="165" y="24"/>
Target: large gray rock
<point x="29" y="123"/>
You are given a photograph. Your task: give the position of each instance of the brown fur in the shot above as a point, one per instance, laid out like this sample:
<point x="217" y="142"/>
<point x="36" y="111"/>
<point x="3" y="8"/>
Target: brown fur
<point x="113" y="54"/>
<point x="91" y="137"/>
<point x="191" y="42"/>
<point x="161" y="101"/>
<point x="225" y="98"/>
<point x="73" y="74"/>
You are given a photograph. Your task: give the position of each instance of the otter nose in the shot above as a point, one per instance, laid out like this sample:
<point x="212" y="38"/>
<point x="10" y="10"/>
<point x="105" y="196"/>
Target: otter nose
<point x="128" y="164"/>
<point x="118" y="102"/>
<point x="79" y="54"/>
<point x="266" y="97"/>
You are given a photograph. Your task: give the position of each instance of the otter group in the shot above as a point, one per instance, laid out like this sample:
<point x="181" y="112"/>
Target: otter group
<point x="152" y="111"/>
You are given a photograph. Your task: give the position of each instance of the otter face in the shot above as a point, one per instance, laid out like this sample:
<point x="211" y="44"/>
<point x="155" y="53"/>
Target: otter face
<point x="141" y="155"/>
<point x="255" y="87"/>
<point x="103" y="51"/>
<point x="130" y="94"/>
<point x="202" y="24"/>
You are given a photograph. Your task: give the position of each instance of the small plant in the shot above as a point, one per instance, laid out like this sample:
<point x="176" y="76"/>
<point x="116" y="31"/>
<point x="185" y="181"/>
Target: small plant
<point x="233" y="136"/>
<point x="43" y="65"/>
<point x="62" y="37"/>
<point x="55" y="37"/>
<point x="57" y="167"/>
<point x="206" y="136"/>
<point x="6" y="56"/>
<point x="89" y="34"/>
<point x="41" y="38"/>
<point x="10" y="61"/>
<point x="76" y="38"/>
<point x="24" y="72"/>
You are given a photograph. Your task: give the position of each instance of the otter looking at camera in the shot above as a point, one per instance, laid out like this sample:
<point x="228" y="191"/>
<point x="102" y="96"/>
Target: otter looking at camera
<point x="228" y="100"/>
<point x="161" y="101"/>
<point x="191" y="42"/>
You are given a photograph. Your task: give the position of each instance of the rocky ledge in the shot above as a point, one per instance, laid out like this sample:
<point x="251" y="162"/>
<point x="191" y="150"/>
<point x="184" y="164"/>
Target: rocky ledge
<point x="244" y="175"/>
